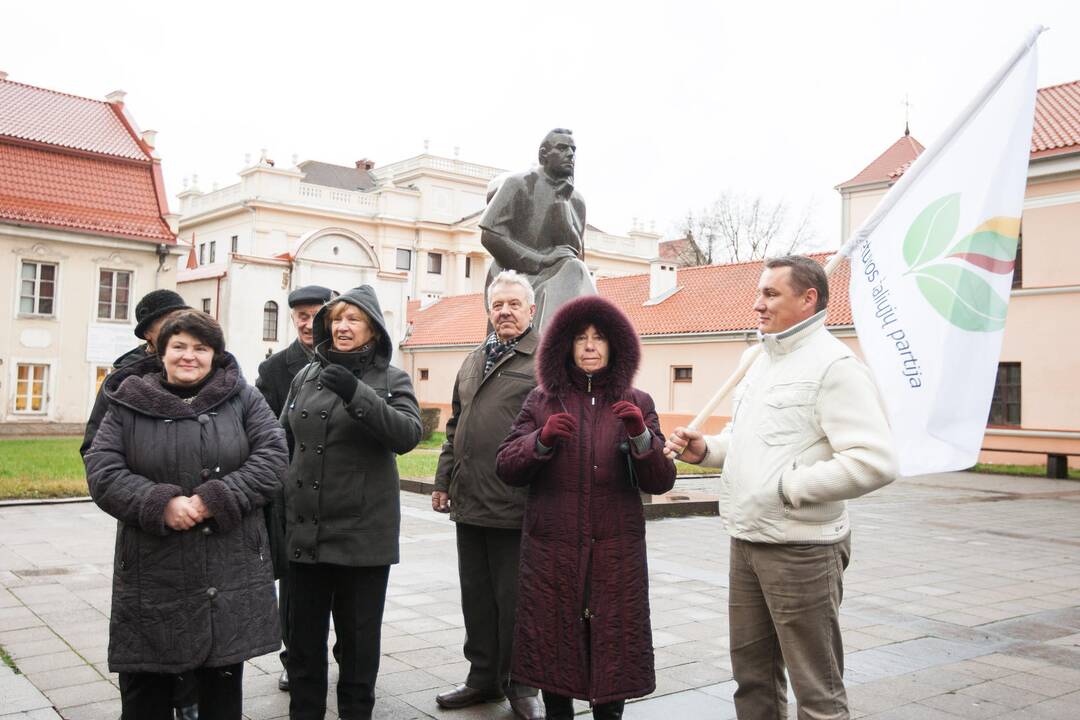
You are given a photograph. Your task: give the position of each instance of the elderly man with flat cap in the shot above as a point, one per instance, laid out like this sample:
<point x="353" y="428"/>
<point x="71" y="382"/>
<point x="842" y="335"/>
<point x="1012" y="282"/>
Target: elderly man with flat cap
<point x="275" y="375"/>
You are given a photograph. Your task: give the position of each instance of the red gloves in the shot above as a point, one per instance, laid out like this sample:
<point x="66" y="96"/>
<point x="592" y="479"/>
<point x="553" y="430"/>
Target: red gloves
<point x="631" y="416"/>
<point x="559" y="426"/>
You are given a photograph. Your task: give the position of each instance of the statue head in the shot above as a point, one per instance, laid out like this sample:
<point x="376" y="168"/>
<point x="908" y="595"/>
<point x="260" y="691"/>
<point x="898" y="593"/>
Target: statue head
<point x="557" y="153"/>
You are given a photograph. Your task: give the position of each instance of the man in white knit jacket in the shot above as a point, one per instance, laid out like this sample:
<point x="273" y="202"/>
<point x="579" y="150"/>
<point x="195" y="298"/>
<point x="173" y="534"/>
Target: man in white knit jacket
<point x="807" y="432"/>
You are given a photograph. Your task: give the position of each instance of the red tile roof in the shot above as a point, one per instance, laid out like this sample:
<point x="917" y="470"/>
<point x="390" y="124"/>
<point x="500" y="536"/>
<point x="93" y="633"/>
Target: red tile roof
<point x="1056" y="131"/>
<point x="889" y="165"/>
<point x="74" y="163"/>
<point x="1057" y="120"/>
<point x="54" y="118"/>
<point x="710" y="299"/>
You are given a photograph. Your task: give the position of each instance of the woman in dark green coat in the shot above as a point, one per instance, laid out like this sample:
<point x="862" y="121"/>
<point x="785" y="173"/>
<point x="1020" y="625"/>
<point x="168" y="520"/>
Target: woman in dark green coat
<point x="348" y="414"/>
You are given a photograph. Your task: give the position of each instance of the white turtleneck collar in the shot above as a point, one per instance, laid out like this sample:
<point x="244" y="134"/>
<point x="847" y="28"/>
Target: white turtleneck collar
<point x="785" y="341"/>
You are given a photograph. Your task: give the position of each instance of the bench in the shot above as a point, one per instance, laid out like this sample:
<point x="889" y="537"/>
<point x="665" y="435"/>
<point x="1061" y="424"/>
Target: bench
<point x="1057" y="463"/>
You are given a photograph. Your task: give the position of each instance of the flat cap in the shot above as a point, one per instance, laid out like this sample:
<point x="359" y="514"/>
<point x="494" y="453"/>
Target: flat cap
<point x="310" y="295"/>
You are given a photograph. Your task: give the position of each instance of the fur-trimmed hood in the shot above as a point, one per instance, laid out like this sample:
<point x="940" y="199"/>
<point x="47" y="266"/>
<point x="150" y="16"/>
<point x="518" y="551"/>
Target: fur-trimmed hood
<point x="144" y="393"/>
<point x="555" y="362"/>
<point x="364" y="298"/>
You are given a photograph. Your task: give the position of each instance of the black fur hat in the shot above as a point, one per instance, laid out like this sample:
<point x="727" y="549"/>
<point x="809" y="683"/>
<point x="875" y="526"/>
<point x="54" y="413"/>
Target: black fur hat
<point x="153" y="305"/>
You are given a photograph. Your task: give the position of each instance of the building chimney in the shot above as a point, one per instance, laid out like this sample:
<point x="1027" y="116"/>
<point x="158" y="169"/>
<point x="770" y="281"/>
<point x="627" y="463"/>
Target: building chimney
<point x="116" y="97"/>
<point x="3" y="75"/>
<point x="662" y="277"/>
<point x="150" y="137"/>
<point x="365" y="164"/>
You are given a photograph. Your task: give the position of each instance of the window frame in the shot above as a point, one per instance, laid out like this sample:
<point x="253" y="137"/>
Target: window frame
<point x="434" y="260"/>
<point x="112" y="302"/>
<point x="202" y="253"/>
<point x="36" y="296"/>
<point x="468" y="266"/>
<point x="207" y="305"/>
<point x="408" y="259"/>
<point x="1000" y="402"/>
<point x="45" y="396"/>
<point x="270" y="308"/>
<point x="234" y="243"/>
<point x="675" y="373"/>
<point x="424" y="374"/>
<point x="213" y="251"/>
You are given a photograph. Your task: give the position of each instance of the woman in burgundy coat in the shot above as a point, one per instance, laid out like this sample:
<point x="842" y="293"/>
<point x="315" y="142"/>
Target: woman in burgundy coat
<point x="584" y="443"/>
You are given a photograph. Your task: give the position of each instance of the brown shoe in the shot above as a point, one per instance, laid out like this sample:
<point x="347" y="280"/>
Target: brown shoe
<point x="527" y="707"/>
<point x="463" y="696"/>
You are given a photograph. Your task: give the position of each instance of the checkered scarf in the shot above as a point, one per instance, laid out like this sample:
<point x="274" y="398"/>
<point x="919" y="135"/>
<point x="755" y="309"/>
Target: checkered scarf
<point x="493" y="349"/>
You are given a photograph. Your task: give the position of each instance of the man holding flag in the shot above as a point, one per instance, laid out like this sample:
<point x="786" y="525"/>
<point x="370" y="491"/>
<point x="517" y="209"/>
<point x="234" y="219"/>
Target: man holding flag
<point x="807" y="433"/>
<point x="930" y="277"/>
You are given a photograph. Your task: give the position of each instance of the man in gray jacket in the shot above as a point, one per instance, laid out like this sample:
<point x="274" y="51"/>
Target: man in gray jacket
<point x="490" y="389"/>
<point x="807" y="432"/>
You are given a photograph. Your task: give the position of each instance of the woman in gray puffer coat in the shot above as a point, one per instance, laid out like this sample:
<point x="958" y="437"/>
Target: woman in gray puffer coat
<point x="184" y="459"/>
<point x="347" y="415"/>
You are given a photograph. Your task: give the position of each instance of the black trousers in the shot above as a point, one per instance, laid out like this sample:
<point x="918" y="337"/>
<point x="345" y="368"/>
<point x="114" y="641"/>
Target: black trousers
<point x="355" y="596"/>
<point x="488" y="571"/>
<point x="558" y="707"/>
<point x="283" y="599"/>
<point x="149" y="696"/>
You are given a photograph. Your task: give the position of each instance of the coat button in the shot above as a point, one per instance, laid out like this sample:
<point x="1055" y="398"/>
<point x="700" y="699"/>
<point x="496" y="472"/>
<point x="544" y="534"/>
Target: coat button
<point x="299" y="483"/>
<point x="204" y="473"/>
<point x="318" y="449"/>
<point x="315" y="485"/>
<point x="206" y="530"/>
<point x="323" y="414"/>
<point x="123" y="565"/>
<point x="303" y="447"/>
<point x="300" y="519"/>
<point x="312" y="554"/>
<point x="594" y="467"/>
<point x="303" y="414"/>
<point x="314" y="519"/>
<point x="318" y="386"/>
<point x="296" y="553"/>
<point x="211" y="593"/>
<point x="203" y="419"/>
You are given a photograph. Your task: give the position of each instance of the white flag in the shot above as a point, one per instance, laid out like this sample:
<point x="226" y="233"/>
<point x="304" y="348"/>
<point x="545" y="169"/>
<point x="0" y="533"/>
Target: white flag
<point x="931" y="272"/>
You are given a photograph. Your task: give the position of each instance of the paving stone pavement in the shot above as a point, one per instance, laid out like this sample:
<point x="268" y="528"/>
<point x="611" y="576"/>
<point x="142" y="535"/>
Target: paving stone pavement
<point x="961" y="602"/>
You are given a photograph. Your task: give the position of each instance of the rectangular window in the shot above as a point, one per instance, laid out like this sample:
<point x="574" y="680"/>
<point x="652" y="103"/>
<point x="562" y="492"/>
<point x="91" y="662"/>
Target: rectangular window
<point x="1018" y="269"/>
<point x="423" y="373"/>
<point x="683" y="374"/>
<point x="234" y="242"/>
<point x="114" y="292"/>
<point x="434" y="263"/>
<point x="206" y="305"/>
<point x="30" y="382"/>
<point x="37" y="288"/>
<point x="468" y="266"/>
<point x="1005" y="407"/>
<point x="202" y="253"/>
<point x="100" y="373"/>
<point x="213" y="251"/>
<point x="404" y="259"/>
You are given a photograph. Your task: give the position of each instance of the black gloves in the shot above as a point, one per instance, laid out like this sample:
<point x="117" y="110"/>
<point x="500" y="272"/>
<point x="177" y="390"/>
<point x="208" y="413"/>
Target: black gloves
<point x="339" y="380"/>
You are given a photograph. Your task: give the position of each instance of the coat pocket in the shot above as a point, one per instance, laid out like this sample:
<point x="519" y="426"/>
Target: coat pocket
<point x="788" y="415"/>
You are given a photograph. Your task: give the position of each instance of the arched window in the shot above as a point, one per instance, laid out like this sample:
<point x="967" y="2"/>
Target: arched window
<point x="270" y="321"/>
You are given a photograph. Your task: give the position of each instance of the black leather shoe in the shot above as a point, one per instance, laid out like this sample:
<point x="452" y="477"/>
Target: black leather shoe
<point x="283" y="681"/>
<point x="527" y="707"/>
<point x="463" y="696"/>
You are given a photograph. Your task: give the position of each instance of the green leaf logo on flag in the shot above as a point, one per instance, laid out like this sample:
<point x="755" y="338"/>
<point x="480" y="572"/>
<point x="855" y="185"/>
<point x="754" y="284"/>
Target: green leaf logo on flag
<point x="958" y="293"/>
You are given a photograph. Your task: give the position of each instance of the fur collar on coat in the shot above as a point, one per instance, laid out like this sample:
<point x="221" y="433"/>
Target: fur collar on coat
<point x="555" y="362"/>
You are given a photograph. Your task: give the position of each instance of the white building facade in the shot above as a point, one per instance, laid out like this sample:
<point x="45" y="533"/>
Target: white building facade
<point x="409" y="229"/>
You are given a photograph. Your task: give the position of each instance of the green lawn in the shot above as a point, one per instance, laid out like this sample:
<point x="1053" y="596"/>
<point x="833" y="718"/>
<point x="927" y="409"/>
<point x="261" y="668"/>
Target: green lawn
<point x="50" y="467"/>
<point x="1036" y="470"/>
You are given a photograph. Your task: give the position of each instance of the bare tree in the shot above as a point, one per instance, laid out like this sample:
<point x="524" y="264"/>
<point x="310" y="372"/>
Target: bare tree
<point x="738" y="228"/>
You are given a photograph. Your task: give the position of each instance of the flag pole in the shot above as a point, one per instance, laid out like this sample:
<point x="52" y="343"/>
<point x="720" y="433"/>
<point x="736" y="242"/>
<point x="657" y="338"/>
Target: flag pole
<point x="921" y="163"/>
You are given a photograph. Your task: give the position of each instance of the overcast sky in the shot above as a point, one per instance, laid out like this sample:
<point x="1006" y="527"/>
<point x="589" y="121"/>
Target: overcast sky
<point x="671" y="103"/>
